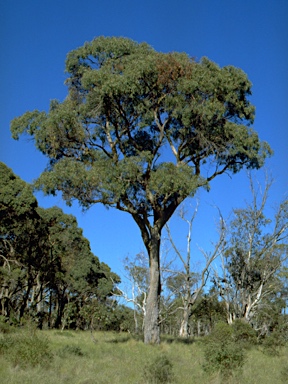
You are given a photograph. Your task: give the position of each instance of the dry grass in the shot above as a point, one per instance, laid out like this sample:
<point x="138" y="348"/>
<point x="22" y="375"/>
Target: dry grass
<point x="120" y="359"/>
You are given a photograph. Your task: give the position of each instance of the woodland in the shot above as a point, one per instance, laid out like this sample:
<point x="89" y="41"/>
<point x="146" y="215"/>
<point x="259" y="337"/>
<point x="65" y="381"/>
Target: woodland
<point x="61" y="306"/>
<point x="142" y="131"/>
<point x="50" y="276"/>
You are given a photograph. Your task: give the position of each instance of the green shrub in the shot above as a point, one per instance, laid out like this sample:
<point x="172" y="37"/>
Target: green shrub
<point x="158" y="371"/>
<point x="243" y="333"/>
<point x="221" y="352"/>
<point x="26" y="349"/>
<point x="273" y="343"/>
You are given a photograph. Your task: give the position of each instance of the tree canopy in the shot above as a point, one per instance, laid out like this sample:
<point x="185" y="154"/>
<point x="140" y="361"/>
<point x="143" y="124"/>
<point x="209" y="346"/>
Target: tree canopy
<point x="126" y="104"/>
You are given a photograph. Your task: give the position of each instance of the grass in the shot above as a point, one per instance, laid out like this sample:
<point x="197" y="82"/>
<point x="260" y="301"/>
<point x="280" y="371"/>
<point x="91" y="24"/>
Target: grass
<point x="118" y="358"/>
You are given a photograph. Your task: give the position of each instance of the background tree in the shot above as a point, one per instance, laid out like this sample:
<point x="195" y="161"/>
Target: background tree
<point x="135" y="292"/>
<point x="127" y="106"/>
<point x="47" y="270"/>
<point x="77" y="278"/>
<point x="186" y="279"/>
<point x="208" y="310"/>
<point x="22" y="243"/>
<point x="255" y="253"/>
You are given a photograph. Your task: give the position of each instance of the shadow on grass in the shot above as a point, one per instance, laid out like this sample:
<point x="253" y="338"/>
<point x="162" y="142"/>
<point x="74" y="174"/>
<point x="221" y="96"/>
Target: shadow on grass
<point x="118" y="340"/>
<point x="178" y="340"/>
<point x="125" y="338"/>
<point x="164" y="339"/>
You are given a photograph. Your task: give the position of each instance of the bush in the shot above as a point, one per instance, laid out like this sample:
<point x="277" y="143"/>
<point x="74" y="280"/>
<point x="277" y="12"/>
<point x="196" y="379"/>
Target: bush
<point x="26" y="349"/>
<point x="158" y="371"/>
<point x="221" y="352"/>
<point x="273" y="343"/>
<point x="243" y="333"/>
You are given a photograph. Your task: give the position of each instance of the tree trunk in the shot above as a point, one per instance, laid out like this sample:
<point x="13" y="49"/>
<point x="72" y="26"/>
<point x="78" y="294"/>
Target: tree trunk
<point x="135" y="320"/>
<point x="25" y="299"/>
<point x="184" y="328"/>
<point x="151" y="321"/>
<point x="61" y="301"/>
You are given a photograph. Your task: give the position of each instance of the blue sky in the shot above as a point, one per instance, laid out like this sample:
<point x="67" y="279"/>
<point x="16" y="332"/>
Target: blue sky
<point x="250" y="34"/>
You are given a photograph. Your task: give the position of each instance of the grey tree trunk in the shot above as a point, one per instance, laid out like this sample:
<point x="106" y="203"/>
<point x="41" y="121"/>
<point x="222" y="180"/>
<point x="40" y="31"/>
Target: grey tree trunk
<point x="187" y="301"/>
<point x="151" y="321"/>
<point x="184" y="328"/>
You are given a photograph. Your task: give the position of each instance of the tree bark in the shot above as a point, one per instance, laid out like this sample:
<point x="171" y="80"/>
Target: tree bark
<point x="184" y="328"/>
<point x="151" y="321"/>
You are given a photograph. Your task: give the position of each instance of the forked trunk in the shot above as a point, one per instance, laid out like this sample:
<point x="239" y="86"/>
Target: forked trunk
<point x="151" y="321"/>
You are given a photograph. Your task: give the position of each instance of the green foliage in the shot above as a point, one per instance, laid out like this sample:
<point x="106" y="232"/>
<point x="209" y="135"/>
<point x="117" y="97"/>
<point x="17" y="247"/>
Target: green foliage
<point x="44" y="254"/>
<point x="222" y="353"/>
<point x="243" y="333"/>
<point x="126" y="102"/>
<point x="22" y="241"/>
<point x="253" y="281"/>
<point x="209" y="310"/>
<point x="26" y="349"/>
<point x="273" y="343"/>
<point x="159" y="371"/>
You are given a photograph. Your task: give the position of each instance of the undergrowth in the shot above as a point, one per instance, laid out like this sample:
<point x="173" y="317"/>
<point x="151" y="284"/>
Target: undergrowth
<point x="26" y="348"/>
<point x="48" y="357"/>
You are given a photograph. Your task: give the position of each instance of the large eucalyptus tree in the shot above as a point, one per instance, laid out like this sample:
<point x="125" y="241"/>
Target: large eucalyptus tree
<point x="135" y="132"/>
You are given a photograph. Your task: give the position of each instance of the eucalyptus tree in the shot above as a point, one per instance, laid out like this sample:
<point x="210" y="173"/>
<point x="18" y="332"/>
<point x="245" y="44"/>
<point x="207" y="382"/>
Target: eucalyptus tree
<point x="22" y="242"/>
<point x="45" y="261"/>
<point x="191" y="285"/>
<point x="73" y="276"/>
<point x="255" y="256"/>
<point x="136" y="277"/>
<point x="135" y="285"/>
<point x="66" y="263"/>
<point x="135" y="132"/>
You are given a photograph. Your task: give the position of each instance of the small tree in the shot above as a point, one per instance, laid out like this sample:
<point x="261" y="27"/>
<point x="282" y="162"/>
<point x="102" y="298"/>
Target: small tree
<point x="127" y="106"/>
<point x="222" y="353"/>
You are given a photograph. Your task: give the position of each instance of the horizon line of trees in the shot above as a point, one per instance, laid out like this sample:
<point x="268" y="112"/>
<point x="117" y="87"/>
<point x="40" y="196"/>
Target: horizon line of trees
<point x="49" y="275"/>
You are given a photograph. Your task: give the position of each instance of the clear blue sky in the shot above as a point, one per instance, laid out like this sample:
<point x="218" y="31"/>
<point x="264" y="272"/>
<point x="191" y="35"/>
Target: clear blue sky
<point x="250" y="34"/>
